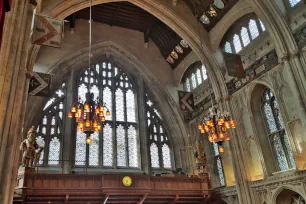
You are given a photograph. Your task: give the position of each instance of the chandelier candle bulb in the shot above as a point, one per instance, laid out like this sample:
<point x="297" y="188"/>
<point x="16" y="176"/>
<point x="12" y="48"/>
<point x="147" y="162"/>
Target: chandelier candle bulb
<point x="103" y="118"/>
<point x="97" y="111"/>
<point x="107" y="113"/>
<point x="73" y="109"/>
<point x="202" y="131"/>
<point x="221" y="149"/>
<point x="70" y="115"/>
<point x="88" y="140"/>
<point x="101" y="108"/>
<point x="200" y="126"/>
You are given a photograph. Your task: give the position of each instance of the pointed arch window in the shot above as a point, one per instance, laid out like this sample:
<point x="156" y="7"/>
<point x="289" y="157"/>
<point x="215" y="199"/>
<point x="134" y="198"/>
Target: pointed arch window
<point x="228" y="47"/>
<point x="263" y="28"/>
<point x="237" y="43"/>
<point x="253" y="29"/>
<point x="277" y="135"/>
<point x="195" y="75"/>
<point x="245" y="36"/>
<point x="160" y="149"/>
<point x="293" y="3"/>
<point x="50" y="129"/>
<point x="116" y="145"/>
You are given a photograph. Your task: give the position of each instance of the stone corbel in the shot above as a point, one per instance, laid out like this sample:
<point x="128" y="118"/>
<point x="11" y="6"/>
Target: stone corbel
<point x="33" y="2"/>
<point x="29" y="74"/>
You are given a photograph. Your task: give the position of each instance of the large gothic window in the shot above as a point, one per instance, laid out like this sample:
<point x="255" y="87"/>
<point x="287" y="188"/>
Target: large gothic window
<point x="50" y="129"/>
<point x="116" y="145"/>
<point x="160" y="153"/>
<point x="277" y="135"/>
<point x="219" y="164"/>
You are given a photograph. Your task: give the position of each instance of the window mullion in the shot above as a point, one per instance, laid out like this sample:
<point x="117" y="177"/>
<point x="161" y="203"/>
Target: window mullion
<point x="125" y="124"/>
<point x="113" y="91"/>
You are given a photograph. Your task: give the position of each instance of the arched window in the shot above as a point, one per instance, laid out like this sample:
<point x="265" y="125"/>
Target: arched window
<point x="276" y="132"/>
<point x="219" y="164"/>
<point x="116" y="145"/>
<point x="50" y="129"/>
<point x="160" y="153"/>
<point x="237" y="43"/>
<point x="228" y="47"/>
<point x="253" y="29"/>
<point x="245" y="36"/>
<point x="195" y="75"/>
<point x="241" y="34"/>
<point x="294" y="2"/>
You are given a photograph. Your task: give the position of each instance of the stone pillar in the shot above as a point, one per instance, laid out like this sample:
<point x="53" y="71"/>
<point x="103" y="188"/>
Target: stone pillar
<point x="239" y="168"/>
<point x="143" y="130"/>
<point x="13" y="92"/>
<point x="70" y="125"/>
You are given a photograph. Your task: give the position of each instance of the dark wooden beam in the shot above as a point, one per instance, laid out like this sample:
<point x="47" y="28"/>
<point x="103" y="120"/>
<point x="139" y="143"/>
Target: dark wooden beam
<point x="143" y="199"/>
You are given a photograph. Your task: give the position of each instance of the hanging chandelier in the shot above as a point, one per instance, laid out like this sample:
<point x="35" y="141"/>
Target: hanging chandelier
<point x="89" y="113"/>
<point x="216" y="124"/>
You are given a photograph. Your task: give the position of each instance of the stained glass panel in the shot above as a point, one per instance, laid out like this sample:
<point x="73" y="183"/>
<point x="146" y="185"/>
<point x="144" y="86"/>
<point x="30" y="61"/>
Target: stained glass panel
<point x="253" y="29"/>
<point x="94" y="150"/>
<point x="49" y="102"/>
<point x="245" y="36"/>
<point x="204" y="72"/>
<point x="166" y="156"/>
<point x="130" y="106"/>
<point x="220" y="172"/>
<point x="107" y="145"/>
<point x="119" y="105"/>
<point x="154" y="156"/>
<point x="94" y="89"/>
<point x="54" y="151"/>
<point x="279" y="118"/>
<point x="41" y="143"/>
<point x="269" y="118"/>
<point x="279" y="152"/>
<point x="121" y="146"/>
<point x="216" y="149"/>
<point x="81" y="92"/>
<point x="263" y="28"/>
<point x="288" y="150"/>
<point x="133" y="150"/>
<point x="80" y="150"/>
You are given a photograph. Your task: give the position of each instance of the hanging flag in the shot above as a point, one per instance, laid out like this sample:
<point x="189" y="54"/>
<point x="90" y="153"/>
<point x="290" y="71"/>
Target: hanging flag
<point x="40" y="84"/>
<point x="5" y="6"/>
<point x="186" y="101"/>
<point x="234" y="65"/>
<point x="47" y="31"/>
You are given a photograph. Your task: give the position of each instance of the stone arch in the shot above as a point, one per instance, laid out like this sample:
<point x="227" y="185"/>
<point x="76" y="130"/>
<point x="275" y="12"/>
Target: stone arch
<point x="187" y="30"/>
<point x="124" y="59"/>
<point x="282" y="194"/>
<point x="218" y="32"/>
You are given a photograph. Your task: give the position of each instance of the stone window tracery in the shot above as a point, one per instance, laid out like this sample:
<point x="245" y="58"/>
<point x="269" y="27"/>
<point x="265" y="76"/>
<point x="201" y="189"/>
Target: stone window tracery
<point x="116" y="145"/>
<point x="195" y="75"/>
<point x="276" y="132"/>
<point x="160" y="152"/>
<point x="293" y="3"/>
<point x="50" y="129"/>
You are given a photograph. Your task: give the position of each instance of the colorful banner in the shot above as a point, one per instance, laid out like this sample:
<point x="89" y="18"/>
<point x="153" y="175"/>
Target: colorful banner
<point x="234" y="65"/>
<point x="47" y="31"/>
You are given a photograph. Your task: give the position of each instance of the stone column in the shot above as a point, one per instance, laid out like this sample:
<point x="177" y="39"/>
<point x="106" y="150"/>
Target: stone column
<point x="13" y="92"/>
<point x="70" y="125"/>
<point x="143" y="130"/>
<point x="239" y="168"/>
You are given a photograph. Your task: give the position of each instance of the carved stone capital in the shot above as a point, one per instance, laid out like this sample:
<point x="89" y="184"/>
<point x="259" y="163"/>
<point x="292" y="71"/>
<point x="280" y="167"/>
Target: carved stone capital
<point x="285" y="58"/>
<point x="295" y="54"/>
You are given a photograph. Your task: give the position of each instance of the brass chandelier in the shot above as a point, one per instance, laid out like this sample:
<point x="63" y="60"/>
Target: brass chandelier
<point x="216" y="124"/>
<point x="89" y="113"/>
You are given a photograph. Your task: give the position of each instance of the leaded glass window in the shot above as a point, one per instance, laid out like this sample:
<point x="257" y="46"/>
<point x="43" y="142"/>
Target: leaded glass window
<point x="245" y="36"/>
<point x="160" y="149"/>
<point x="237" y="43"/>
<point x="277" y="134"/>
<point x="263" y="28"/>
<point x="50" y="129"/>
<point x="228" y="47"/>
<point x="294" y="2"/>
<point x="253" y="29"/>
<point x="219" y="164"/>
<point x="116" y="145"/>
<point x="187" y="85"/>
<point x="194" y="76"/>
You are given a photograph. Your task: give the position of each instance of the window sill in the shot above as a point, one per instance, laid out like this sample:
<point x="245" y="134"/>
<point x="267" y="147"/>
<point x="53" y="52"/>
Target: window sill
<point x="285" y="172"/>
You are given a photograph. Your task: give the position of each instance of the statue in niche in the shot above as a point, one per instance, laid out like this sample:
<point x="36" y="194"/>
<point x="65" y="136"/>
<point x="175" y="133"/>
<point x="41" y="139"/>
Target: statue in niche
<point x="200" y="159"/>
<point x="31" y="150"/>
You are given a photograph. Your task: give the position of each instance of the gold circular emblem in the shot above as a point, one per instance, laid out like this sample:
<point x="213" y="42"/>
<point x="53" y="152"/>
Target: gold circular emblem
<point x="127" y="181"/>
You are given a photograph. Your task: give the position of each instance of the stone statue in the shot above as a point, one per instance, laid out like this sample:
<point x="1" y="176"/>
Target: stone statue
<point x="200" y="159"/>
<point x="31" y="150"/>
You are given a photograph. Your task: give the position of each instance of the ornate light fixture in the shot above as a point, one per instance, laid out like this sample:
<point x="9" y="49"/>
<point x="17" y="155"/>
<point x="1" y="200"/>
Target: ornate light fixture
<point x="216" y="124"/>
<point x="89" y="113"/>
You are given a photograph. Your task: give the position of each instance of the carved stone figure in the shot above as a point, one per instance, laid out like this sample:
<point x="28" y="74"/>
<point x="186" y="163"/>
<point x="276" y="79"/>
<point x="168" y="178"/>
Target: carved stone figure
<point x="31" y="150"/>
<point x="200" y="159"/>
